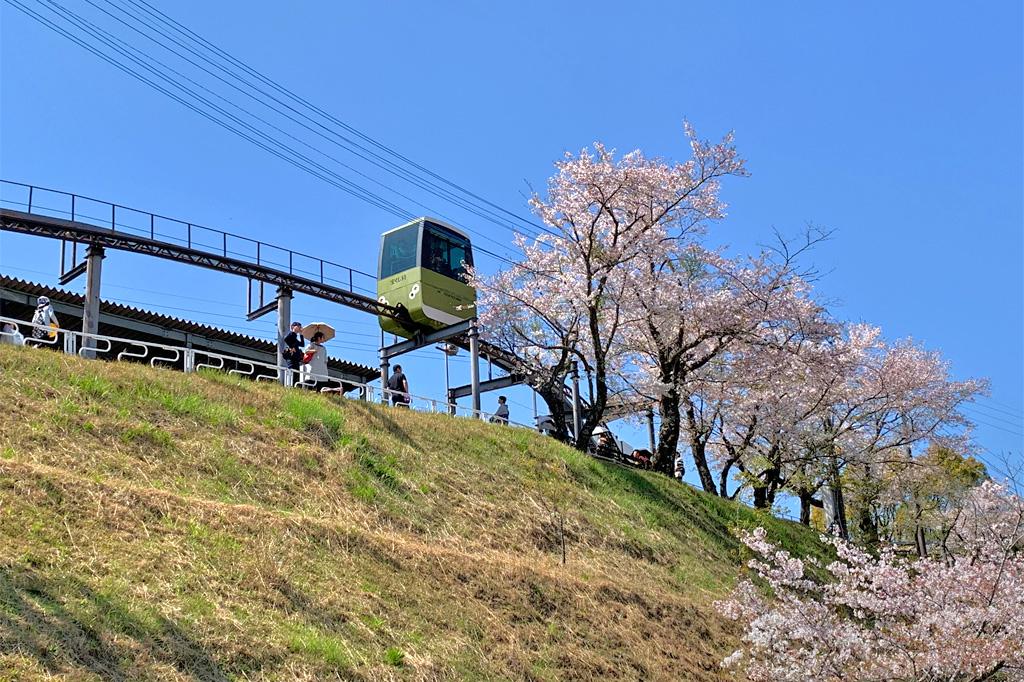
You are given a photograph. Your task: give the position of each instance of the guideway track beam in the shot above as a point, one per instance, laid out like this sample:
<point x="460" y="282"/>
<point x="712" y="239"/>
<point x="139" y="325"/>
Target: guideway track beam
<point x="57" y="228"/>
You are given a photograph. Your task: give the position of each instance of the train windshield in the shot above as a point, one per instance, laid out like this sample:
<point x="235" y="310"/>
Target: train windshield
<point x="446" y="252"/>
<point x="398" y="252"/>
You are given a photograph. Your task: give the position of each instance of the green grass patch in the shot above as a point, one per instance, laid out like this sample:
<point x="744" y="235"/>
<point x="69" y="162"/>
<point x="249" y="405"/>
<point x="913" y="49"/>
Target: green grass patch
<point x="199" y="408"/>
<point x="143" y="435"/>
<point x="313" y="643"/>
<point x="394" y="656"/>
<point x="315" y="416"/>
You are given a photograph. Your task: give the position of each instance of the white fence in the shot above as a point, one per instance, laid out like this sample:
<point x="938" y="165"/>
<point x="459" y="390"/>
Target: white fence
<point x="19" y="332"/>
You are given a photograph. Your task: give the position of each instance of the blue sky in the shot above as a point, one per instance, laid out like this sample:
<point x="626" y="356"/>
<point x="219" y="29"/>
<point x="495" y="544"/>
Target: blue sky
<point x="897" y="125"/>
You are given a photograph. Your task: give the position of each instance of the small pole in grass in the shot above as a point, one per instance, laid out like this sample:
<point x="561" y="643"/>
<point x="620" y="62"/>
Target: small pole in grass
<point x="561" y="534"/>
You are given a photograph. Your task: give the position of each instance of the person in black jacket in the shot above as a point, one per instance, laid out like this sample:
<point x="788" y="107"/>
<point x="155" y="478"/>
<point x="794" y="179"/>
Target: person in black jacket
<point x="291" y="347"/>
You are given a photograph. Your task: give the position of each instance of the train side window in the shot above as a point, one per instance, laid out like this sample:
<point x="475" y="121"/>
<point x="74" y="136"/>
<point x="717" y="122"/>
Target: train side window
<point x="446" y="253"/>
<point x="399" y="251"/>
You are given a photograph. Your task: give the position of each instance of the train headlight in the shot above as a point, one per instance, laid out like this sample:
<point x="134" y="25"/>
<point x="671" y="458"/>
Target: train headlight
<point x="383" y="300"/>
<point x="415" y="290"/>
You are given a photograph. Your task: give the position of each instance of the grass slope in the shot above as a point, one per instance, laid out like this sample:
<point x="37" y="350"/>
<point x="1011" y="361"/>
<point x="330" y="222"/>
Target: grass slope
<point x="156" y="525"/>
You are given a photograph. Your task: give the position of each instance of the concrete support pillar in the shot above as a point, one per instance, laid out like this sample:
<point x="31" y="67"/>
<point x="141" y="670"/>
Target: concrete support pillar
<point x="91" y="315"/>
<point x="284" y="320"/>
<point x="474" y="366"/>
<point x="576" y="411"/>
<point x="650" y="429"/>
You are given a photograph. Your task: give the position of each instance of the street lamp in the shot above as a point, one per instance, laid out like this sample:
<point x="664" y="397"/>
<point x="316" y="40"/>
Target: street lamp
<point x="449" y="349"/>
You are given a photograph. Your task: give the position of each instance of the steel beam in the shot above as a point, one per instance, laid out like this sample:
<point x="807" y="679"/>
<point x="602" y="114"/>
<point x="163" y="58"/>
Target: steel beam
<point x="56" y="228"/>
<point x="426" y="339"/>
<point x="489" y="385"/>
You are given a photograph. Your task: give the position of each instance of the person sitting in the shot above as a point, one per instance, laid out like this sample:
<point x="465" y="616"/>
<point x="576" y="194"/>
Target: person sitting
<point x="10" y="335"/>
<point x="606" y="446"/>
<point x="501" y="414"/>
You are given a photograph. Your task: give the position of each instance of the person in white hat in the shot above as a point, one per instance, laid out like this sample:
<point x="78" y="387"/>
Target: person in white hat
<point x="44" y="318"/>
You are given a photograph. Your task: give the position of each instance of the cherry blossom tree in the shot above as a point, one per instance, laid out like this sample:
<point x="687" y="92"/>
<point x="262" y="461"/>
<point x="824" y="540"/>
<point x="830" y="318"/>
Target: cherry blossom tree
<point x="607" y="220"/>
<point x="822" y="413"/>
<point x="696" y="311"/>
<point x="888" y="617"/>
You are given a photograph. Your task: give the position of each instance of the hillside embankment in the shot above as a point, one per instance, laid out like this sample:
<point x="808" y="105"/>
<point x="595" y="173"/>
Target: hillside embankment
<point x="157" y="525"/>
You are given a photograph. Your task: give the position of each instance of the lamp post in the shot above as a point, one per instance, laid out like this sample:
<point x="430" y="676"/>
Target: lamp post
<point x="448" y="349"/>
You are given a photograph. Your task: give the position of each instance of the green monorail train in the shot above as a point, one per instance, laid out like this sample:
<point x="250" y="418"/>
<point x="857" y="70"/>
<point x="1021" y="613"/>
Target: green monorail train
<point x="422" y="272"/>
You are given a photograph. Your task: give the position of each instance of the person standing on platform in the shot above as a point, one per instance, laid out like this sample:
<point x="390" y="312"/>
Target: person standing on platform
<point x="291" y="347"/>
<point x="501" y="413"/>
<point x="398" y="386"/>
<point x="45" y="321"/>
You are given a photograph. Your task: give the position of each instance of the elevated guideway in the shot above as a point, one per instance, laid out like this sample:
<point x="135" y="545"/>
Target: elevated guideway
<point x="96" y="225"/>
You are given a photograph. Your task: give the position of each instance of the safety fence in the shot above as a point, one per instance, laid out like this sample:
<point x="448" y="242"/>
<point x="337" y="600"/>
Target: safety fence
<point x="98" y="346"/>
<point x="123" y="219"/>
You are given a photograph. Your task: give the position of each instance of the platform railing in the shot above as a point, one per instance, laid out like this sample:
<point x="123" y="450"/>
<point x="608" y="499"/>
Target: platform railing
<point x="117" y="218"/>
<point x="100" y="346"/>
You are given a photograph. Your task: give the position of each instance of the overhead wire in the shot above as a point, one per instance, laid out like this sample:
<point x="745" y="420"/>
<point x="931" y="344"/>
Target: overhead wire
<point x="196" y="39"/>
<point x="52" y="26"/>
<point x="281" y="149"/>
<point x="318" y="170"/>
<point x="163" y="65"/>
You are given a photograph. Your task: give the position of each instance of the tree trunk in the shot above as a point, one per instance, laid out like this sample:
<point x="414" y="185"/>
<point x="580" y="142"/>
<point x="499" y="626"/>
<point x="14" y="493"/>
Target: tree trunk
<point x="668" y="433"/>
<point x="806" y="502"/>
<point x="764" y="492"/>
<point x="554" y="397"/>
<point x="600" y="399"/>
<point x="723" y="478"/>
<point x="919" y="541"/>
<point x="700" y="461"/>
<point x="867" y="527"/>
<point x="838" y="520"/>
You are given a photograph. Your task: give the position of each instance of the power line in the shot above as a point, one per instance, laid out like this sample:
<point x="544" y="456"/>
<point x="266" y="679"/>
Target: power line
<point x="978" y="403"/>
<point x="986" y="415"/>
<point x="49" y="24"/>
<point x="287" y="154"/>
<point x="207" y="45"/>
<point x="247" y="112"/>
<point x="278" y="148"/>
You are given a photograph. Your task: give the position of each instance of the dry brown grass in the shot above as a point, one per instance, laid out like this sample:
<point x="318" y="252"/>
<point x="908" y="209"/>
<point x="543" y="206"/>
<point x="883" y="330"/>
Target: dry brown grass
<point x="162" y="526"/>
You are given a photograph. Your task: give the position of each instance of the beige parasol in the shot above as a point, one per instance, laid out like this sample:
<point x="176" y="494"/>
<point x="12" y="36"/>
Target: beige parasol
<point x="310" y="329"/>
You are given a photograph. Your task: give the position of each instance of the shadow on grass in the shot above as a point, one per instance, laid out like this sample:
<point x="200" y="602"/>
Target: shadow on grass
<point x="679" y="510"/>
<point x="379" y="418"/>
<point x="69" y="627"/>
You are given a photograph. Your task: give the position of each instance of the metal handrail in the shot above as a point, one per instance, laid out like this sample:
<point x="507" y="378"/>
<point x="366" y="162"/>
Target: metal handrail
<point x="73" y="341"/>
<point x="220" y="236"/>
